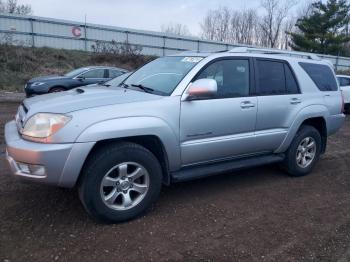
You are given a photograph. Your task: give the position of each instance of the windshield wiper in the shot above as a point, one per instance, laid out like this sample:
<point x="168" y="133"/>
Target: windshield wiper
<point x="144" y="88"/>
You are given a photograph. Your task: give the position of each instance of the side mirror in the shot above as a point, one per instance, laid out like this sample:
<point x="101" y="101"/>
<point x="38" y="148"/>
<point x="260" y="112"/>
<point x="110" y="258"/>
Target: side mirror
<point x="80" y="78"/>
<point x="201" y="89"/>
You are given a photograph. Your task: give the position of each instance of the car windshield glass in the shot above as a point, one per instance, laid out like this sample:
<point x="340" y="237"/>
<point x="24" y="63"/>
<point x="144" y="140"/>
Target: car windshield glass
<point x="75" y="72"/>
<point x="117" y="80"/>
<point x="162" y="75"/>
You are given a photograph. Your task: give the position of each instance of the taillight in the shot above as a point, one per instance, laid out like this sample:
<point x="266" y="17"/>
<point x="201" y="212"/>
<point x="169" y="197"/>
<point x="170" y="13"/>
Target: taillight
<point x="342" y="102"/>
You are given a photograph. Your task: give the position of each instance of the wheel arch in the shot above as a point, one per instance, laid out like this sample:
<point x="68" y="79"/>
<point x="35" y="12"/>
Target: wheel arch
<point x="319" y="123"/>
<point x="314" y="115"/>
<point x="150" y="142"/>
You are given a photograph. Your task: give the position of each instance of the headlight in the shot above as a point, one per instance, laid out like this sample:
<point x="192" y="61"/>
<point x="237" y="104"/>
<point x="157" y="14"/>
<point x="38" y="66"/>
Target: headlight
<point x="37" y="84"/>
<point x="43" y="125"/>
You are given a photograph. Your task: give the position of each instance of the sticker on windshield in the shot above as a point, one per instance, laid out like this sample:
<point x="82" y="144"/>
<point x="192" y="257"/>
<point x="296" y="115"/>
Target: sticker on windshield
<point x="240" y="69"/>
<point x="192" y="59"/>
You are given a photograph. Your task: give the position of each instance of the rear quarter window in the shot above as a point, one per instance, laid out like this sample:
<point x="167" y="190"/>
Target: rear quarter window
<point x="321" y="75"/>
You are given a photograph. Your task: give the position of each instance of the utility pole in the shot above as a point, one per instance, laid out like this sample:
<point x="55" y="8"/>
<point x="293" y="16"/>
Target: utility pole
<point x="85" y="35"/>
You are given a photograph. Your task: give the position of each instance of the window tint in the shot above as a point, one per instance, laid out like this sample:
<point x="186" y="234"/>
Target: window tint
<point x="322" y="76"/>
<point x="291" y="83"/>
<point x="114" y="73"/>
<point x="271" y="78"/>
<point x="232" y="77"/>
<point x="343" y="81"/>
<point x="96" y="73"/>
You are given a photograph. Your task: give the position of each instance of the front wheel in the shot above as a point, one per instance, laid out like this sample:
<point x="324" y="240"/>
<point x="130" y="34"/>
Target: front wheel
<point x="303" y="152"/>
<point x="119" y="182"/>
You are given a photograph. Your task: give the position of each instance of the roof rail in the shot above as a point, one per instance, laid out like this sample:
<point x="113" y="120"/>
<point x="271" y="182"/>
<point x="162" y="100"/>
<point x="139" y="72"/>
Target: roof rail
<point x="274" y="52"/>
<point x="199" y="52"/>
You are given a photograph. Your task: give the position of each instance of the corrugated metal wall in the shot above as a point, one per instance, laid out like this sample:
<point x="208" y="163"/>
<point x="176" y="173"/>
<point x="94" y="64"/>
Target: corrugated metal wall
<point x="39" y="32"/>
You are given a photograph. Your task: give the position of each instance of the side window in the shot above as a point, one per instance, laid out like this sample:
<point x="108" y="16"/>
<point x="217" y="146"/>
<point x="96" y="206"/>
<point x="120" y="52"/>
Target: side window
<point x="271" y="77"/>
<point x="291" y="83"/>
<point x="231" y="76"/>
<point x="96" y="73"/>
<point x="343" y="81"/>
<point x="113" y="73"/>
<point x="322" y="76"/>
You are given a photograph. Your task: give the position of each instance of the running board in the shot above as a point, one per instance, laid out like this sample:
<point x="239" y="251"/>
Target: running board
<point x="190" y="173"/>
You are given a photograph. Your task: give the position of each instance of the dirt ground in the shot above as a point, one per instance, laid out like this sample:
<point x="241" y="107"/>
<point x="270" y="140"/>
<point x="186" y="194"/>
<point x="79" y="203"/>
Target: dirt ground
<point x="254" y="215"/>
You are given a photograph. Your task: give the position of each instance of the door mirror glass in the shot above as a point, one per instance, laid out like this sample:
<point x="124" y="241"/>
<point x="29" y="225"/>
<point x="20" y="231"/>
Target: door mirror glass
<point x="202" y="89"/>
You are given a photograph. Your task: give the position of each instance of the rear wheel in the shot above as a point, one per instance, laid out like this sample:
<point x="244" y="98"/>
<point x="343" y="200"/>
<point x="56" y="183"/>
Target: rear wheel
<point x="347" y="109"/>
<point x="119" y="182"/>
<point x="303" y="152"/>
<point x="56" y="89"/>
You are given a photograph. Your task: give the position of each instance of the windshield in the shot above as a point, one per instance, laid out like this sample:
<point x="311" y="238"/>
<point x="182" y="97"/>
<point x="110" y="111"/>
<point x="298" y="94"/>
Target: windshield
<point x="162" y="75"/>
<point x="118" y="80"/>
<point x="76" y="72"/>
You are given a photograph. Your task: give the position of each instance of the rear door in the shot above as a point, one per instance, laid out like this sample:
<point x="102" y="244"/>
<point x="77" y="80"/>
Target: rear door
<point x="279" y="100"/>
<point x="113" y="73"/>
<point x="223" y="126"/>
<point x="94" y="76"/>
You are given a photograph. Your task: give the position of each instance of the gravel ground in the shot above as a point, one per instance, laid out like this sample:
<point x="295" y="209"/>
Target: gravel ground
<point x="255" y="215"/>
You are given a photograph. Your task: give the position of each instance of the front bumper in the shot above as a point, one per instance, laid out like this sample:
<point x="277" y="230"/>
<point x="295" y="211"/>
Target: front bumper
<point x="59" y="164"/>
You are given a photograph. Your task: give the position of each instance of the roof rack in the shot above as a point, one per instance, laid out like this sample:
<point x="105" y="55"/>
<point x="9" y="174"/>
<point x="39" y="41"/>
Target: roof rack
<point x="274" y="52"/>
<point x="200" y="52"/>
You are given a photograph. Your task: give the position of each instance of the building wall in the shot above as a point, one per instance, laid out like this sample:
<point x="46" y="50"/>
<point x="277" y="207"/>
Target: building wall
<point x="39" y="32"/>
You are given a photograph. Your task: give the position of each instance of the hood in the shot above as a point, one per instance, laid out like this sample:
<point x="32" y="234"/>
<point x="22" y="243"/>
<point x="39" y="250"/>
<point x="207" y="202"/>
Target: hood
<point x="82" y="98"/>
<point x="47" y="78"/>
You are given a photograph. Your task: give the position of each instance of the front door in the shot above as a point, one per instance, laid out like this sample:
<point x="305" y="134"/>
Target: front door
<point x="221" y="127"/>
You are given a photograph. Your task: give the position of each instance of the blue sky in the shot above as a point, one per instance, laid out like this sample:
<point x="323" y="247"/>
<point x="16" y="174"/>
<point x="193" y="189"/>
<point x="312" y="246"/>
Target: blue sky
<point x="138" y="14"/>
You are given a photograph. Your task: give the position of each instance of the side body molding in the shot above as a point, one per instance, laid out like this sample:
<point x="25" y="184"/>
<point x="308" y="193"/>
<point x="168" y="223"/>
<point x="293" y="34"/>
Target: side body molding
<point x="308" y="112"/>
<point x="136" y="126"/>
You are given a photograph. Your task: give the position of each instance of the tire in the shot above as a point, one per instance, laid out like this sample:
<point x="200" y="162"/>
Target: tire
<point x="56" y="89"/>
<point x="142" y="173"/>
<point x="294" y="163"/>
<point x="347" y="109"/>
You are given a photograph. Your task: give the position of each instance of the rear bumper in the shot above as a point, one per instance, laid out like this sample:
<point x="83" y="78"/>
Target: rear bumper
<point x="334" y="123"/>
<point x="53" y="164"/>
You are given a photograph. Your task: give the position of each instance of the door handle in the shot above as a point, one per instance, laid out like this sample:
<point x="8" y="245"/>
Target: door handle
<point x="247" y="104"/>
<point x="295" y="101"/>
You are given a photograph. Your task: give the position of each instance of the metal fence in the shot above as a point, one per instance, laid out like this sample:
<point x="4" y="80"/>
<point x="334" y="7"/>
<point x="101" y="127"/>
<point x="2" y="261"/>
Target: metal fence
<point x="39" y="32"/>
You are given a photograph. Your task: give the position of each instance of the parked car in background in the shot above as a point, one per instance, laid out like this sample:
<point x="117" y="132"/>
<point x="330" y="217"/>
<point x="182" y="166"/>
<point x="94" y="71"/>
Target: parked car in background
<point x="78" y="77"/>
<point x="177" y="118"/>
<point x="344" y="83"/>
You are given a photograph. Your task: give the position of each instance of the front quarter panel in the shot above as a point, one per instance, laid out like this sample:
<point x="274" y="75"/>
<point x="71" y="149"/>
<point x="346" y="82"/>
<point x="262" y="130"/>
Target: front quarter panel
<point x="136" y="126"/>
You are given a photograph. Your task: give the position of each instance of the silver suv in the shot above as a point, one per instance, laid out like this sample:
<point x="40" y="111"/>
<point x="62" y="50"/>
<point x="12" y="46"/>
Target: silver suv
<point x="177" y="118"/>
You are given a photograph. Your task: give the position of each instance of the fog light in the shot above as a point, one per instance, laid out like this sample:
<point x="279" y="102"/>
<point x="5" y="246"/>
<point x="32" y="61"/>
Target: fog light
<point x="33" y="170"/>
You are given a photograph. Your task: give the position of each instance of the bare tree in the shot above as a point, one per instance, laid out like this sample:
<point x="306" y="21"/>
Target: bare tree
<point x="272" y="21"/>
<point x="243" y="27"/>
<point x="288" y="26"/>
<point x="176" y="29"/>
<point x="216" y="24"/>
<point x="12" y="7"/>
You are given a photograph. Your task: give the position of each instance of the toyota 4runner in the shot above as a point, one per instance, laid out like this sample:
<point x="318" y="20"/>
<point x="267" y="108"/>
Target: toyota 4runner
<point x="177" y="118"/>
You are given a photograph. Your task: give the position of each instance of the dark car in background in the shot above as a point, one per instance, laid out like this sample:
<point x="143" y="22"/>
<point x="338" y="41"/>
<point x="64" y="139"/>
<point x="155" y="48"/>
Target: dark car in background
<point x="115" y="82"/>
<point x="78" y="77"/>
